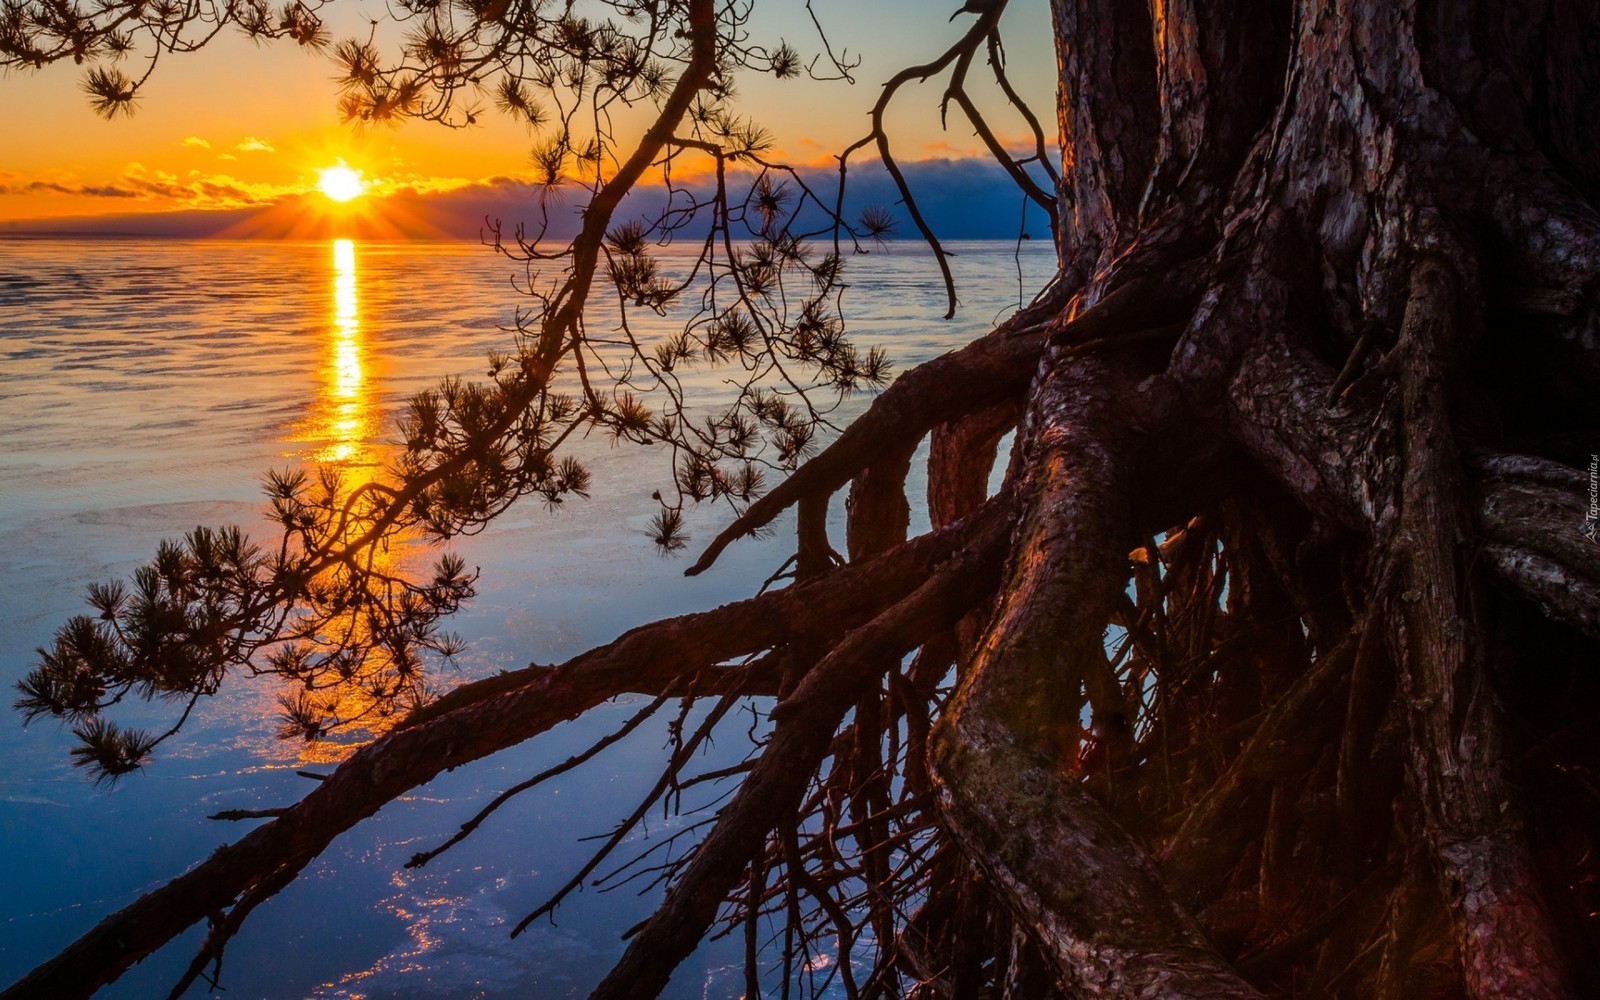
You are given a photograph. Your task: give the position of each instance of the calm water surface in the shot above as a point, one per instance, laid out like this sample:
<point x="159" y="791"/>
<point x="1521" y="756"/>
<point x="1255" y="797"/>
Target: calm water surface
<point x="144" y="388"/>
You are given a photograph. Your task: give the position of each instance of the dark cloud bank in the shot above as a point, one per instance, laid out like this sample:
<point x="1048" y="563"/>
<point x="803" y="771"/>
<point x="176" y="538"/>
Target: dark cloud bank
<point x="960" y="199"/>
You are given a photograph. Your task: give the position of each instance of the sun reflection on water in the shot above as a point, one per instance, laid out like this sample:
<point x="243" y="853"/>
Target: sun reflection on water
<point x="341" y="432"/>
<point x="342" y="422"/>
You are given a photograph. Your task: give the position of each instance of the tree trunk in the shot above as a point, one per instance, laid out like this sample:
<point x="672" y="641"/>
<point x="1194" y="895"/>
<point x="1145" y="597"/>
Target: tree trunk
<point x="1369" y="192"/>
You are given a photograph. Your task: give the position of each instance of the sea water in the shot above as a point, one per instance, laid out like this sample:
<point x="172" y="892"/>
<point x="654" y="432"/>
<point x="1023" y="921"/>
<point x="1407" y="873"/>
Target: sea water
<point x="145" y="386"/>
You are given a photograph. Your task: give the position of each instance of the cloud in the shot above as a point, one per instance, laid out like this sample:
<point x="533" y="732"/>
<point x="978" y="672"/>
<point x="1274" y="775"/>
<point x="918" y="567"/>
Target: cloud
<point x="944" y="149"/>
<point x="417" y="184"/>
<point x="226" y="156"/>
<point x="166" y="191"/>
<point x="967" y="198"/>
<point x="196" y="142"/>
<point x="250" y="144"/>
<point x="79" y="190"/>
<point x="222" y="189"/>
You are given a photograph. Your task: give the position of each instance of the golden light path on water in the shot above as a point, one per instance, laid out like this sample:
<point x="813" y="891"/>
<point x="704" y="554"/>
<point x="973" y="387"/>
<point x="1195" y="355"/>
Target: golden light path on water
<point x="342" y="430"/>
<point x="342" y="423"/>
<point x="347" y="426"/>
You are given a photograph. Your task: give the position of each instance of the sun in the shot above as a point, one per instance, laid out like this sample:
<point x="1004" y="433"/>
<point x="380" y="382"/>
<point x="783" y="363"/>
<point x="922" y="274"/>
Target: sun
<point x="340" y="183"/>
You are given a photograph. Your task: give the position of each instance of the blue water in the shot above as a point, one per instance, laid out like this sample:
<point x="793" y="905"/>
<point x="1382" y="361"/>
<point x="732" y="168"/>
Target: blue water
<point x="144" y="388"/>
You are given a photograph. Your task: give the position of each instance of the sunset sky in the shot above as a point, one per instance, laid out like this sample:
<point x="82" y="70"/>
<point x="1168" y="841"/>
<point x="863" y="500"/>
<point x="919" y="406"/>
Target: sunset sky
<point x="239" y="126"/>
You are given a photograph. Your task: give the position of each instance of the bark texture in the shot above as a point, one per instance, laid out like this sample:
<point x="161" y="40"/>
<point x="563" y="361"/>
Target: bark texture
<point x="1344" y="177"/>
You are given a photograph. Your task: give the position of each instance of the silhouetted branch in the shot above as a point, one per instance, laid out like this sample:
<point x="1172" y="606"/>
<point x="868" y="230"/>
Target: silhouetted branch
<point x="634" y="722"/>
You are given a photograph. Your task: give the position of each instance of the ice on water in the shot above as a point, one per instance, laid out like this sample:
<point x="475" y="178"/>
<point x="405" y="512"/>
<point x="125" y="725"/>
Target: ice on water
<point x="144" y="388"/>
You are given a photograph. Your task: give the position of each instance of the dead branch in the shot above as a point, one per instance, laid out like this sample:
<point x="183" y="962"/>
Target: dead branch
<point x="805" y="723"/>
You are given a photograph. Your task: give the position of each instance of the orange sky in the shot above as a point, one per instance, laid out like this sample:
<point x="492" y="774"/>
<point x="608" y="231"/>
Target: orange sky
<point x="238" y="124"/>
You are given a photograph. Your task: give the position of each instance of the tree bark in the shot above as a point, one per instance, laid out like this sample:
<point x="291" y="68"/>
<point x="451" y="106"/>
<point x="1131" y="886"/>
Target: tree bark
<point x="1086" y="891"/>
<point x="1308" y="164"/>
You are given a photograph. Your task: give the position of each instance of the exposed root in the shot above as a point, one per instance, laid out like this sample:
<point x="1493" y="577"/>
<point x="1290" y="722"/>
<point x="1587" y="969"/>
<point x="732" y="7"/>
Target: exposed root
<point x="805" y="725"/>
<point x="1470" y="817"/>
